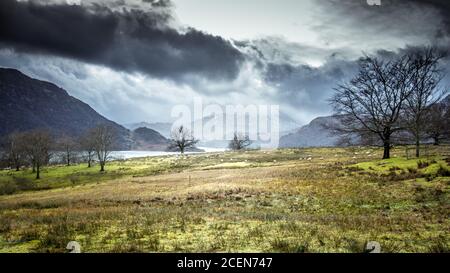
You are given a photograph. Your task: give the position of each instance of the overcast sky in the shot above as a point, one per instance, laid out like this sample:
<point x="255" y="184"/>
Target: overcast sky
<point x="133" y="60"/>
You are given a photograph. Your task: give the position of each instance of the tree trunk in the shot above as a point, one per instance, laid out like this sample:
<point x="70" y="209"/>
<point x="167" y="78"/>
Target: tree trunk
<point x="387" y="149"/>
<point x="89" y="159"/>
<point x="436" y="141"/>
<point x="417" y="147"/>
<point x="34" y="167"/>
<point x="38" y="176"/>
<point x="102" y="166"/>
<point x="17" y="168"/>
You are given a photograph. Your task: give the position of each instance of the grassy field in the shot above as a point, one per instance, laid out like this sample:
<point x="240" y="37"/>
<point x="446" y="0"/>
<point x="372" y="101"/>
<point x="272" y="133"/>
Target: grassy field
<point x="292" y="200"/>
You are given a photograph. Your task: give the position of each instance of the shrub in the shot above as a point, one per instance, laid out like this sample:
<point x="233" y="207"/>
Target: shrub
<point x="283" y="246"/>
<point x="439" y="245"/>
<point x="24" y="183"/>
<point x="422" y="164"/>
<point x="355" y="246"/>
<point x="8" y="187"/>
<point x="354" y="169"/>
<point x="442" y="171"/>
<point x="16" y="184"/>
<point x="56" y="238"/>
<point x="395" y="168"/>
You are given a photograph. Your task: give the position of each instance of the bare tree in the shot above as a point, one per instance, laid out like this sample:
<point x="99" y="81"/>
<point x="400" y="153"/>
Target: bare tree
<point x="14" y="147"/>
<point x="181" y="139"/>
<point x="239" y="142"/>
<point x="103" y="138"/>
<point x="37" y="145"/>
<point x="425" y="77"/>
<point x="437" y="122"/>
<point x="373" y="101"/>
<point x="69" y="148"/>
<point x="87" y="146"/>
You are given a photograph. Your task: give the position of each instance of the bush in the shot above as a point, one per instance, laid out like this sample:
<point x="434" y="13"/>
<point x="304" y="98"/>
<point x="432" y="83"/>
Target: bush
<point x="442" y="171"/>
<point x="8" y="187"/>
<point x="16" y="184"/>
<point x="439" y="245"/>
<point x="393" y="176"/>
<point x="57" y="237"/>
<point x="422" y="164"/>
<point x="280" y="245"/>
<point x="24" y="184"/>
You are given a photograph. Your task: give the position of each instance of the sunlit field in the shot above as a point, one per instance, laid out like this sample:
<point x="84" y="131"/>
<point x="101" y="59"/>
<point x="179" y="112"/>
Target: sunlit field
<point x="291" y="200"/>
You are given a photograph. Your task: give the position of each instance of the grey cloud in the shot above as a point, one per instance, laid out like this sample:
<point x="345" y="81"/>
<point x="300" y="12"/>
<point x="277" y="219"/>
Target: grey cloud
<point x="393" y="25"/>
<point x="308" y="88"/>
<point x="443" y="7"/>
<point x="286" y="67"/>
<point x="129" y="39"/>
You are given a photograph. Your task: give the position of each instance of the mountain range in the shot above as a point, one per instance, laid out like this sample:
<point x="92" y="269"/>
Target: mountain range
<point x="315" y="134"/>
<point x="286" y="125"/>
<point x="27" y="104"/>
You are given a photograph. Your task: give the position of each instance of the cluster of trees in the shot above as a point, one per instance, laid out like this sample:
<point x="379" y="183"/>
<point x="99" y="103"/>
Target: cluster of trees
<point x="394" y="100"/>
<point x="31" y="148"/>
<point x="37" y="148"/>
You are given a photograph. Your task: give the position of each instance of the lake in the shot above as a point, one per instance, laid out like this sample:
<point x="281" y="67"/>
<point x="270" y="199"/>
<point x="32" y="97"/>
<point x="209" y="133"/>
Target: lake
<point x="136" y="154"/>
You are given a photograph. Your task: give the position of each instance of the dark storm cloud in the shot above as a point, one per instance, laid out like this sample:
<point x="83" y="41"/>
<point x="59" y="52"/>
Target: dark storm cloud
<point x="64" y="30"/>
<point x="126" y="39"/>
<point x="394" y="16"/>
<point x="305" y="87"/>
<point x="284" y="67"/>
<point x="443" y="6"/>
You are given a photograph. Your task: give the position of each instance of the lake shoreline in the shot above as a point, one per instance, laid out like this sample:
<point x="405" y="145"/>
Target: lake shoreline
<point x="123" y="155"/>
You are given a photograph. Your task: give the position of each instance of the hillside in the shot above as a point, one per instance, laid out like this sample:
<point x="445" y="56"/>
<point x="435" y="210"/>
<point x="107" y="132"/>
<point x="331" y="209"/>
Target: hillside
<point x="315" y="134"/>
<point x="163" y="128"/>
<point x="27" y="104"/>
<point x="148" y="140"/>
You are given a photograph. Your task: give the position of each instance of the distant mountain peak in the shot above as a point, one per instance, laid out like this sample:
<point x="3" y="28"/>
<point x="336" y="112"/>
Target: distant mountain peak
<point x="161" y="127"/>
<point x="149" y="140"/>
<point x="314" y="134"/>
